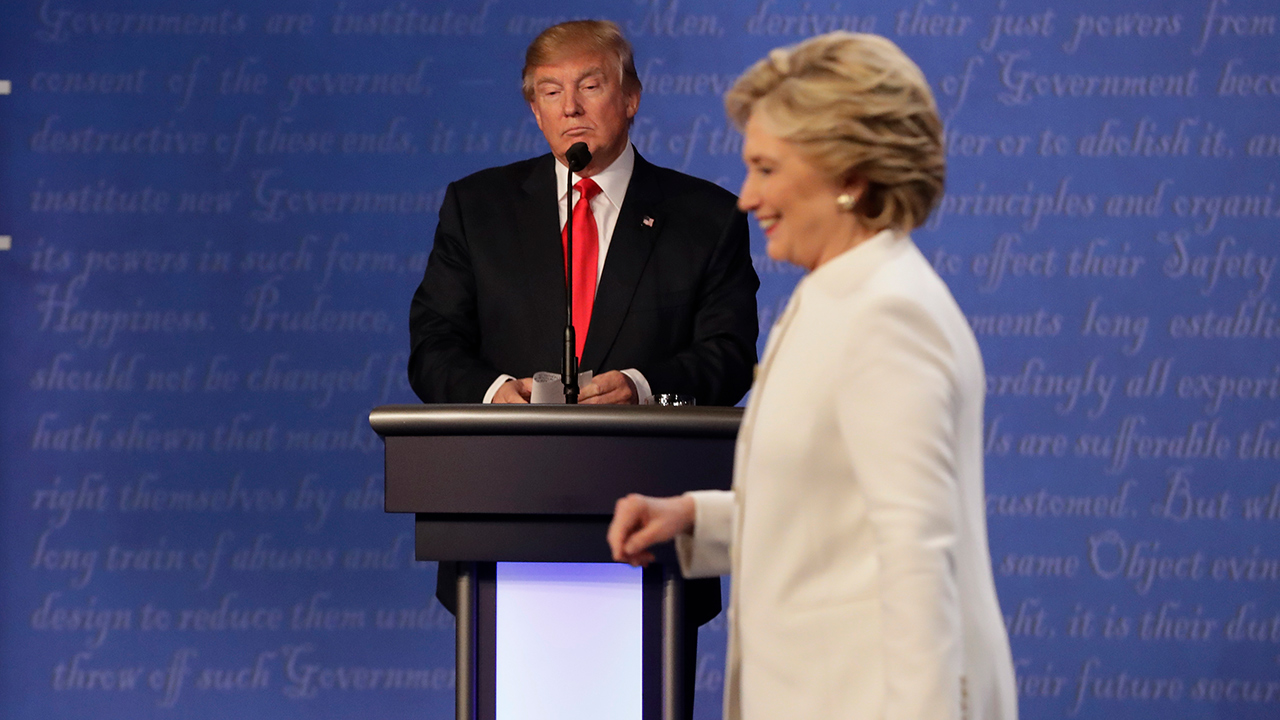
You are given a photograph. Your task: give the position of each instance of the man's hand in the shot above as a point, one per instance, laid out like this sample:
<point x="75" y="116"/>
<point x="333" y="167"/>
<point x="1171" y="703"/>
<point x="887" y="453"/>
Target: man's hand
<point x="611" y="388"/>
<point x="640" y="522"/>
<point x="514" y="391"/>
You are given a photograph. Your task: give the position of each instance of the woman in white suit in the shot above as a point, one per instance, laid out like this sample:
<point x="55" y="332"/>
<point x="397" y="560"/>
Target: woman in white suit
<point x="855" y="531"/>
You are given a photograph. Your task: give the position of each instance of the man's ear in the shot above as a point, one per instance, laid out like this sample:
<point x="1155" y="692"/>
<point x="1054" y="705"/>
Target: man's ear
<point x="633" y="104"/>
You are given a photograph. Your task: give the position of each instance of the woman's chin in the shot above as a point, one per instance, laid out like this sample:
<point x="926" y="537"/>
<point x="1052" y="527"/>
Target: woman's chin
<point x="782" y="252"/>
<point x="776" y="249"/>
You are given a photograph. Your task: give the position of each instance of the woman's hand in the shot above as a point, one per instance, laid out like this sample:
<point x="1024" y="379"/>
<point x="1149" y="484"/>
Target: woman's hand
<point x="640" y="522"/>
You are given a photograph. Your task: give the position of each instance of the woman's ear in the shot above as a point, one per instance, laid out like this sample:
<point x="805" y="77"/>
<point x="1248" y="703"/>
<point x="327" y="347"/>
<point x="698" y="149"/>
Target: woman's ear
<point x="855" y="185"/>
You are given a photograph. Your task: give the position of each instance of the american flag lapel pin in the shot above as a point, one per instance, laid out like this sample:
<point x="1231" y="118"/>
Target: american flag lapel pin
<point x="648" y="221"/>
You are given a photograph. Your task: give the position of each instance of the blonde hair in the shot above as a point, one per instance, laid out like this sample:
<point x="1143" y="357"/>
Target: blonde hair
<point x="579" y="36"/>
<point x="857" y="107"/>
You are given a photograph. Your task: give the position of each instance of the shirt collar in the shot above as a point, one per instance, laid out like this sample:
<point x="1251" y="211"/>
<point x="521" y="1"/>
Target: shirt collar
<point x="613" y="180"/>
<point x="848" y="271"/>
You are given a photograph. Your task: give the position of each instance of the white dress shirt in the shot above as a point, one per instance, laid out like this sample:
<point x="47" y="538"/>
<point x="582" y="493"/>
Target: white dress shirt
<point x="605" y="206"/>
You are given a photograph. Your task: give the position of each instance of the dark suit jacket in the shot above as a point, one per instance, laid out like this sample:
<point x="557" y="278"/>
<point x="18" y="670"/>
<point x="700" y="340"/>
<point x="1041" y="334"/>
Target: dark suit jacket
<point x="676" y="298"/>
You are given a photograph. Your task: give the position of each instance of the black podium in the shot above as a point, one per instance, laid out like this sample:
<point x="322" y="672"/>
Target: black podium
<point x="537" y="483"/>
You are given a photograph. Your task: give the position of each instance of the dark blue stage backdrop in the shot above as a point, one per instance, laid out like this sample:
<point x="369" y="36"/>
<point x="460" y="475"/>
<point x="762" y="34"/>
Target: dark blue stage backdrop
<point x="219" y="211"/>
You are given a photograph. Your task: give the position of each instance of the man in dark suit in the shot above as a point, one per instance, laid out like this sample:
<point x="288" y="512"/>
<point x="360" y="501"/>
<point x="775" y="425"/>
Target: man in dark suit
<point x="674" y="308"/>
<point x="667" y="272"/>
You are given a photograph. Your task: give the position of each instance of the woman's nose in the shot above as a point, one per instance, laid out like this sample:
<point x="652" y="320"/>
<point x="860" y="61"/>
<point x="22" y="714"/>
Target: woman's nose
<point x="747" y="197"/>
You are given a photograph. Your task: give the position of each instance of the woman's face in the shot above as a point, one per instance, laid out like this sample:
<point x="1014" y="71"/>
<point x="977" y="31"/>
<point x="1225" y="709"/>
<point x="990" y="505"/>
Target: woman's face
<point x="794" y="201"/>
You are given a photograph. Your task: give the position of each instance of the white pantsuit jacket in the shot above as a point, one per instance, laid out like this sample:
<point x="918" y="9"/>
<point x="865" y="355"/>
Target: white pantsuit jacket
<point x="856" y="533"/>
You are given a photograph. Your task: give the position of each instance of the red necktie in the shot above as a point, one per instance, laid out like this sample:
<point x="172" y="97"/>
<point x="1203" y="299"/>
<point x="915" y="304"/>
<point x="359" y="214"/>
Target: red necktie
<point x="586" y="253"/>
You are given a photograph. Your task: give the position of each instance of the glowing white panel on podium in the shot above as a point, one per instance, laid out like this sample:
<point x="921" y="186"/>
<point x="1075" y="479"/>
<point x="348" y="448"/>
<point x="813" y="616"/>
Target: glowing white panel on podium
<point x="568" y="641"/>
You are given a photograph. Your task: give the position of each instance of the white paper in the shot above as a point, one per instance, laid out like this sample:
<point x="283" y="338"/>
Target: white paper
<point x="548" y="390"/>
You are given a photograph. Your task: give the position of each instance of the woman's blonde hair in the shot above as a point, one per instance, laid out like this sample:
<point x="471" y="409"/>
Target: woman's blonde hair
<point x="857" y="107"/>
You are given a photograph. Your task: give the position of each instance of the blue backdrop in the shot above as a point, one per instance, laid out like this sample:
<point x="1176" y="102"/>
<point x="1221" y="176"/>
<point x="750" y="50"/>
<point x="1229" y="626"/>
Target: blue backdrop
<point x="219" y="211"/>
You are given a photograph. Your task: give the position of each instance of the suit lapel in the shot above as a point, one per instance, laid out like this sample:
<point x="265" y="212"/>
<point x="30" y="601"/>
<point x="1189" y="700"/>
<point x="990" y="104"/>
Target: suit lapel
<point x="742" y="453"/>
<point x="742" y="450"/>
<point x="541" y="250"/>
<point x="629" y="248"/>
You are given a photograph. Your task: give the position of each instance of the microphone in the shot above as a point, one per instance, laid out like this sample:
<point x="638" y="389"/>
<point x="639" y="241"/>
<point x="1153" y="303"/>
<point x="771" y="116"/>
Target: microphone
<point x="577" y="157"/>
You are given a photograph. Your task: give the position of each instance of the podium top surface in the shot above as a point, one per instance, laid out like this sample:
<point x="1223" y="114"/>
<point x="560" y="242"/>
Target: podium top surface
<point x="608" y="420"/>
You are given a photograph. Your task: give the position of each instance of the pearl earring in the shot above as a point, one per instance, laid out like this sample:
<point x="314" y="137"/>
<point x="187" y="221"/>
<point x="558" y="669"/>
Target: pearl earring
<point x="846" y="201"/>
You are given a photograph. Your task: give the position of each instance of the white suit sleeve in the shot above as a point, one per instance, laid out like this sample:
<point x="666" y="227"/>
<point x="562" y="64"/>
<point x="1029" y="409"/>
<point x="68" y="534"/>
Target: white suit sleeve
<point x="705" y="552"/>
<point x="896" y="417"/>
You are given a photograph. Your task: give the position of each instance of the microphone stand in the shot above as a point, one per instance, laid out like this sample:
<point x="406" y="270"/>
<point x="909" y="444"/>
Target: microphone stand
<point x="577" y="157"/>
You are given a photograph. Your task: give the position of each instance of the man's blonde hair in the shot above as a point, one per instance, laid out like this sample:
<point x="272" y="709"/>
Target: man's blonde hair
<point x="857" y="107"/>
<point x="569" y="39"/>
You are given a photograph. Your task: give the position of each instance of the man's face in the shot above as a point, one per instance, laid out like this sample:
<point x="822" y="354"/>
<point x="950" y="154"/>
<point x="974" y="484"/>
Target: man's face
<point x="580" y="99"/>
